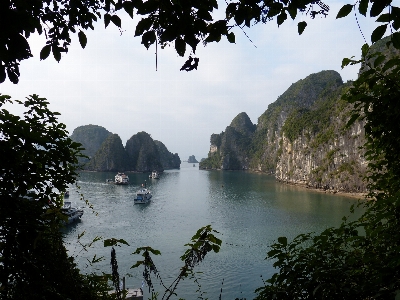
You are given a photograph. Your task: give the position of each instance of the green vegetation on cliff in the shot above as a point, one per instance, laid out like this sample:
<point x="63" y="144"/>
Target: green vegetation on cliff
<point x="231" y="146"/>
<point x="91" y="137"/>
<point x="107" y="153"/>
<point x="143" y="153"/>
<point x="110" y="157"/>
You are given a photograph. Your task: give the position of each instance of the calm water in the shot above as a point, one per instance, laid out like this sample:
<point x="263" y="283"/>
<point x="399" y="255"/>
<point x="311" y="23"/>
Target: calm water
<point x="249" y="210"/>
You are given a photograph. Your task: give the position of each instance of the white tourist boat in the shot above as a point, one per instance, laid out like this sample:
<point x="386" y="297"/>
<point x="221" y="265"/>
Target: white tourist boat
<point x="143" y="196"/>
<point x="154" y="175"/>
<point x="121" y="179"/>
<point x="73" y="213"/>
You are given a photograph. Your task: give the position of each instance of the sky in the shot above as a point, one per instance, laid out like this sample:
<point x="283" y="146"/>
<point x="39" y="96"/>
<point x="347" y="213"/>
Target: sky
<point x="114" y="83"/>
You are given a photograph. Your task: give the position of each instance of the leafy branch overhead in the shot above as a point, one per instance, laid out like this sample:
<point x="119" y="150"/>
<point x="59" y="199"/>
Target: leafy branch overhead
<point x="182" y="24"/>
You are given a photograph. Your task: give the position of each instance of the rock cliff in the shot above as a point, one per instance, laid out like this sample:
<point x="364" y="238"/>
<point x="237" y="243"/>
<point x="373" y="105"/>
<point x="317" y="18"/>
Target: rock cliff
<point x="110" y="157"/>
<point x="143" y="153"/>
<point x="168" y="159"/>
<point x="91" y="137"/>
<point x="301" y="138"/>
<point x="107" y="153"/>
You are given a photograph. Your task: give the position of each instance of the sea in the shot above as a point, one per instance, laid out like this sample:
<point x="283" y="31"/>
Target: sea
<point x="248" y="211"/>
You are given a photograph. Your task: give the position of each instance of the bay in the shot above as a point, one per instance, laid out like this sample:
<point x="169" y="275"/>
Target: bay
<point x="249" y="210"/>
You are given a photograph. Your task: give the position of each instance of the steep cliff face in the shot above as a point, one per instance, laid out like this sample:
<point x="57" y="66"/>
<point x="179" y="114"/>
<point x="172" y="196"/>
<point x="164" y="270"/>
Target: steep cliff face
<point x="167" y="159"/>
<point x="110" y="157"/>
<point x="229" y="150"/>
<point x="331" y="159"/>
<point x="301" y="95"/>
<point x="143" y="153"/>
<point x="301" y="138"/>
<point x="91" y="137"/>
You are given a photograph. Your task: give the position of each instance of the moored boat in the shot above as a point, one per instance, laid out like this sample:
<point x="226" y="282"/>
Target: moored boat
<point x="72" y="213"/>
<point x="143" y="196"/>
<point x="121" y="179"/>
<point x="154" y="175"/>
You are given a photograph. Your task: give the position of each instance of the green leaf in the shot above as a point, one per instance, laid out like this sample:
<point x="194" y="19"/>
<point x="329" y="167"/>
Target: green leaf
<point x="396" y="40"/>
<point x="353" y="118"/>
<point x="114" y="242"/>
<point x="364" y="50"/>
<point x="180" y="46"/>
<point x="301" y="26"/>
<point x="231" y="37"/>
<point x="282" y="240"/>
<point x="363" y="7"/>
<point x="378" y="33"/>
<point x="344" y="11"/>
<point x="116" y="20"/>
<point x="137" y="264"/>
<point x="379" y="60"/>
<point x="82" y="39"/>
<point x="385" y="18"/>
<point x="377" y="7"/>
<point x="45" y="52"/>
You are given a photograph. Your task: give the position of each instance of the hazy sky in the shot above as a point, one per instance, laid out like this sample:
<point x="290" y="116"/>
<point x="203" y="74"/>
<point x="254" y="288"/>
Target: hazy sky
<point x="113" y="82"/>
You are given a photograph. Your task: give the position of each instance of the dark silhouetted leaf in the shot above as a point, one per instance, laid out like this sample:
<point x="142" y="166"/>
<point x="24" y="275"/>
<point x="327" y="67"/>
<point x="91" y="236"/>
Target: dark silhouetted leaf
<point x="396" y="40"/>
<point x="377" y="7"/>
<point x="282" y="240"/>
<point x="180" y="46"/>
<point x="148" y="38"/>
<point x="231" y="37"/>
<point x="384" y="18"/>
<point x="116" y="20"/>
<point x="363" y="7"/>
<point x="301" y="26"/>
<point x="82" y="39"/>
<point x="378" y="33"/>
<point x="344" y="11"/>
<point x="45" y="52"/>
<point x="107" y="19"/>
<point x="128" y="6"/>
<point x="281" y="18"/>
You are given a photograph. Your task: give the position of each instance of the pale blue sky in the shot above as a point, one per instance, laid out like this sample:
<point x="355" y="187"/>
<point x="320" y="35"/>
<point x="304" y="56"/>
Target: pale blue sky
<point x="113" y="82"/>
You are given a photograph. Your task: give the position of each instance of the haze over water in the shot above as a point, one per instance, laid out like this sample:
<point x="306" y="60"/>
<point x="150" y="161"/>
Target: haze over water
<point x="249" y="210"/>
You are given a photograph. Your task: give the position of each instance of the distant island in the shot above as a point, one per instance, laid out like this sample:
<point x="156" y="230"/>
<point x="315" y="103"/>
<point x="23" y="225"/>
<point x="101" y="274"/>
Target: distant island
<point x="192" y="159"/>
<point x="105" y="151"/>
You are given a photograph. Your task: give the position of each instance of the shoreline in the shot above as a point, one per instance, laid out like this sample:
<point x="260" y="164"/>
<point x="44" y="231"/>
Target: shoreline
<point x="354" y="195"/>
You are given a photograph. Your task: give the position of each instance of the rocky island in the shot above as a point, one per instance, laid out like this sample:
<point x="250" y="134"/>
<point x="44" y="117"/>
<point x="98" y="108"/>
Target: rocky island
<point x="192" y="159"/>
<point x="301" y="138"/>
<point x="106" y="152"/>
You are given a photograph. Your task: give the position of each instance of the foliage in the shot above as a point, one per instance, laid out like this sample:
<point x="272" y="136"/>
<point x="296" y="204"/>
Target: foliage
<point x="39" y="162"/>
<point x="203" y="242"/>
<point x="164" y="22"/>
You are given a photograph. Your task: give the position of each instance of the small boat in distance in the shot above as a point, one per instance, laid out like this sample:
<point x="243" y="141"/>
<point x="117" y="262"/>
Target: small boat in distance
<point x="121" y="179"/>
<point x="154" y="175"/>
<point x="143" y="196"/>
<point x="72" y="213"/>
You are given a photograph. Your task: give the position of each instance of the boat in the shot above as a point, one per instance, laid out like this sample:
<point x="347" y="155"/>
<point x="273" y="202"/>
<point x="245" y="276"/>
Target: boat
<point x="143" y="196"/>
<point x="73" y="213"/>
<point x="121" y="179"/>
<point x="154" y="175"/>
